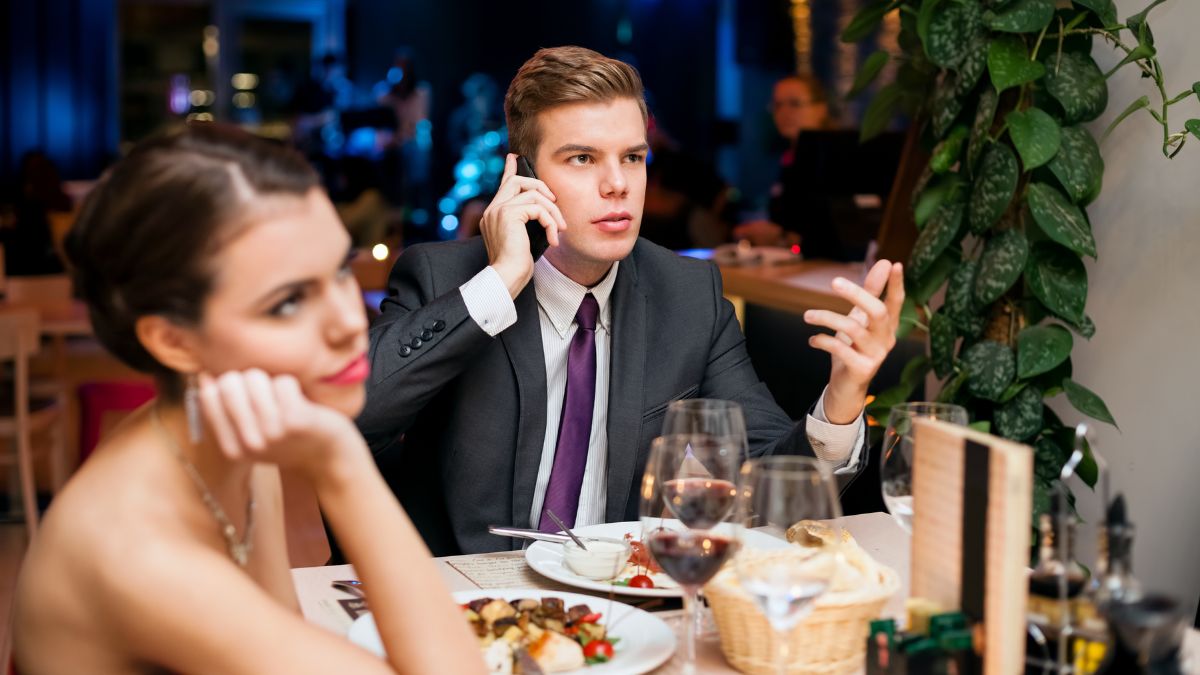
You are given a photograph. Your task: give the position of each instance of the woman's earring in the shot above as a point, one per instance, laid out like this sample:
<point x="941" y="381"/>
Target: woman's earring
<point x="191" y="406"/>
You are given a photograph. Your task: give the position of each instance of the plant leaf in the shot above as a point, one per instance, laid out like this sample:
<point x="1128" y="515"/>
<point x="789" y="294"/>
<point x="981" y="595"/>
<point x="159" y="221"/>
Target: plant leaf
<point x="1076" y="82"/>
<point x="924" y="17"/>
<point x="880" y="110"/>
<point x="960" y="290"/>
<point x="1078" y="164"/>
<point x="994" y="187"/>
<point x="1061" y="220"/>
<point x="908" y="318"/>
<point x="950" y="393"/>
<point x="1021" y="417"/>
<point x="937" y="192"/>
<point x="1087" y="402"/>
<point x="1084" y="327"/>
<point x="992" y="367"/>
<point x="945" y="154"/>
<point x="1000" y="266"/>
<point x="931" y="281"/>
<point x="982" y="426"/>
<point x="1193" y="126"/>
<point x="1105" y="9"/>
<point x="942" y="228"/>
<point x="941" y="343"/>
<point x="952" y="29"/>
<point x="867" y="74"/>
<point x="985" y="113"/>
<point x="946" y="105"/>
<point x="1058" y="279"/>
<point x="1051" y="381"/>
<point x="1036" y="136"/>
<point x="1022" y="16"/>
<point x="1009" y="64"/>
<point x="1041" y="349"/>
<point x="1137" y="105"/>
<point x="866" y="21"/>
<point x="971" y="68"/>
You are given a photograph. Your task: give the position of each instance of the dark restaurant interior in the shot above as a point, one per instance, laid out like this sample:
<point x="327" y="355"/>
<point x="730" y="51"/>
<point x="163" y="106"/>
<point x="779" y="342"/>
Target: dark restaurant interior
<point x="790" y="145"/>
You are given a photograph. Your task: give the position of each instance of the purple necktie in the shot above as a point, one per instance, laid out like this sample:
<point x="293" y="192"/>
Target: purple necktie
<point x="575" y="428"/>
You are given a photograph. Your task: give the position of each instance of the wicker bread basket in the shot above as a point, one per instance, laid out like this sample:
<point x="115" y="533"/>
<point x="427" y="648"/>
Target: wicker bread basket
<point x="832" y="639"/>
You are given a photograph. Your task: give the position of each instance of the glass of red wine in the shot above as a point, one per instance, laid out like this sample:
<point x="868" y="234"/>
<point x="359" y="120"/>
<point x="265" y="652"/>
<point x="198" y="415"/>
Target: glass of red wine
<point x="711" y="417"/>
<point x="775" y="493"/>
<point x="688" y="501"/>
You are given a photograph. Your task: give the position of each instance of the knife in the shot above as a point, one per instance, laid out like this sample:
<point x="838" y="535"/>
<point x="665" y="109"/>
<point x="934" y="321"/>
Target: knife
<point x="522" y="533"/>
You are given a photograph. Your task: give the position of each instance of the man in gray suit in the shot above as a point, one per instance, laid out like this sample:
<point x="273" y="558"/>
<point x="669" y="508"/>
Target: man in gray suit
<point x="492" y="398"/>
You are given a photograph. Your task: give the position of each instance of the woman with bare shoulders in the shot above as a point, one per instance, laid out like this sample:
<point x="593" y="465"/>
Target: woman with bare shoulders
<point x="213" y="260"/>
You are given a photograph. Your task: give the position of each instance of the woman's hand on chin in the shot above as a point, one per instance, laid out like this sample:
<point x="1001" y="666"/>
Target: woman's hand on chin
<point x="263" y="418"/>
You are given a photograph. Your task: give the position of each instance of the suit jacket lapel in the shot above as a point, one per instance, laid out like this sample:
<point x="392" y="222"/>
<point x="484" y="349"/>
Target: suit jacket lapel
<point x="523" y="342"/>
<point x="625" y="391"/>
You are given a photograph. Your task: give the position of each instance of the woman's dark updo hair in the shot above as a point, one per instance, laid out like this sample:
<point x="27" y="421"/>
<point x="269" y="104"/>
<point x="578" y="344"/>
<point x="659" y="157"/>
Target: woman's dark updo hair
<point x="146" y="235"/>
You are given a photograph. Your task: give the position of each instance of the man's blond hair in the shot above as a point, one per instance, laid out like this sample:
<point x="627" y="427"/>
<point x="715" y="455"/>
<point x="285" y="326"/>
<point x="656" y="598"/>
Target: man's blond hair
<point x="559" y="76"/>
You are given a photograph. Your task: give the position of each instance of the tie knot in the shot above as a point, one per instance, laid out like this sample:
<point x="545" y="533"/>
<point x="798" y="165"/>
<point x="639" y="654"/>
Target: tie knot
<point x="589" y="309"/>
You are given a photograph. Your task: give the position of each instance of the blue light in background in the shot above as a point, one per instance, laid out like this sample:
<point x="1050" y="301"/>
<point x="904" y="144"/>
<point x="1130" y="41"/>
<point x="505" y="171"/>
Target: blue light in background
<point x="395" y="74"/>
<point x="464" y="191"/>
<point x="447" y="205"/>
<point x="419" y="216"/>
<point x="449" y="223"/>
<point x="468" y="169"/>
<point x="491" y="139"/>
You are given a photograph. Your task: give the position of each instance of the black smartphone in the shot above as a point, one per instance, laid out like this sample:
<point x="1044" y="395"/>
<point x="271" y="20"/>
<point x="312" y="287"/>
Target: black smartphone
<point x="537" y="234"/>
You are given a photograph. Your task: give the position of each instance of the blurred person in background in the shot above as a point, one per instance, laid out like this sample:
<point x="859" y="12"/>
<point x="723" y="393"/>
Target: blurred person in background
<point x="213" y="260"/>
<point x="25" y="231"/>
<point x="798" y="104"/>
<point x="831" y="188"/>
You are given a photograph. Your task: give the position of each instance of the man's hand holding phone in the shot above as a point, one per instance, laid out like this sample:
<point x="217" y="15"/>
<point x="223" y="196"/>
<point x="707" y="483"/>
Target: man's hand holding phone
<point x="519" y="200"/>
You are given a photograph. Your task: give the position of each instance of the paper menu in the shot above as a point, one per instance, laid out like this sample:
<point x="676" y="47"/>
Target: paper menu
<point x="972" y="504"/>
<point x="500" y="570"/>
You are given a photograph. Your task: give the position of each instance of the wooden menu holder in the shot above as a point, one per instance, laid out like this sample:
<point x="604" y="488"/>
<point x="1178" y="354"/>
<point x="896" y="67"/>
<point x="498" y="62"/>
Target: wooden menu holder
<point x="972" y="505"/>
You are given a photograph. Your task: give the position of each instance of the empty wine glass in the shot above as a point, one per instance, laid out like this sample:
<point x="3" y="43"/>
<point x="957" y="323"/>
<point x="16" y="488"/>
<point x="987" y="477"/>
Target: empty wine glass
<point x="691" y="477"/>
<point x="714" y="417"/>
<point x="895" y="472"/>
<point x="774" y="494"/>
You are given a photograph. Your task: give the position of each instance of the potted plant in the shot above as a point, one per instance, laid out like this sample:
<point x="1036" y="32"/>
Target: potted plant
<point x="1001" y="91"/>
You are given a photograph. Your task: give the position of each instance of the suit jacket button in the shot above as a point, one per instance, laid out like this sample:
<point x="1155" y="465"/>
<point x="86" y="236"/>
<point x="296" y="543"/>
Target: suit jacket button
<point x="405" y="350"/>
<point x="438" y="326"/>
<point x="416" y="343"/>
<point x="427" y="335"/>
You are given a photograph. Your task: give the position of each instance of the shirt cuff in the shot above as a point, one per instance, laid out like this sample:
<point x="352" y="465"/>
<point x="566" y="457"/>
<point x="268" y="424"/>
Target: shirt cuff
<point x="838" y="446"/>
<point x="488" y="301"/>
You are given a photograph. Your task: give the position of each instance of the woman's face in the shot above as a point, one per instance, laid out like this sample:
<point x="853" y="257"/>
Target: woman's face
<point x="284" y="301"/>
<point x="794" y="108"/>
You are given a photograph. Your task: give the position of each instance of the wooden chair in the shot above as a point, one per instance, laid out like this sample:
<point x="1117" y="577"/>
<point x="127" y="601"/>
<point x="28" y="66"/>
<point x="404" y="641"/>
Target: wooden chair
<point x="22" y="415"/>
<point x="45" y="289"/>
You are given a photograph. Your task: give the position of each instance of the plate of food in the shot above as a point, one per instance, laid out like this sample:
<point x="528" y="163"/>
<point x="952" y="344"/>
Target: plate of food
<point x="638" y="576"/>
<point x="560" y="632"/>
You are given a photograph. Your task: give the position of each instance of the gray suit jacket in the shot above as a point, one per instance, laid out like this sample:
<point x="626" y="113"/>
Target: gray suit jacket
<point x="457" y="418"/>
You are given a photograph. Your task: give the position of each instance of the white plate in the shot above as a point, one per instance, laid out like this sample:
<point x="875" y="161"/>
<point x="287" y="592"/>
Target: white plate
<point x="546" y="558"/>
<point x="645" y="641"/>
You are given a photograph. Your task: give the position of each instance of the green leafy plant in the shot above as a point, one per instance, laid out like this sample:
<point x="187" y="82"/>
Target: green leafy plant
<point x="1000" y="91"/>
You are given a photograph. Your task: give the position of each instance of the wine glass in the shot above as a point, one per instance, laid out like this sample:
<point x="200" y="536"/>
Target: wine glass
<point x="713" y="417"/>
<point x="895" y="472"/>
<point x="775" y="493"/>
<point x="691" y="477"/>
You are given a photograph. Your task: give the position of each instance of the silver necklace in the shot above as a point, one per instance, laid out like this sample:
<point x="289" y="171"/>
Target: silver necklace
<point x="238" y="550"/>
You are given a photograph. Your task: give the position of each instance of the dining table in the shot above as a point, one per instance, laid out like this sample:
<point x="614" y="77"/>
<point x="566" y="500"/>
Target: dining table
<point x="877" y="533"/>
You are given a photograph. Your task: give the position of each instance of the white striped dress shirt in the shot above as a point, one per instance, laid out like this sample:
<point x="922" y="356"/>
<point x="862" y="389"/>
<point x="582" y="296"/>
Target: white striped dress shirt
<point x="558" y="297"/>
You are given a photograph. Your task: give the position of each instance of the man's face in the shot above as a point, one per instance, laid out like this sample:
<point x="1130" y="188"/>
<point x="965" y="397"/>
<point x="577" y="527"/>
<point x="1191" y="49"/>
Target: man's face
<point x="592" y="156"/>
